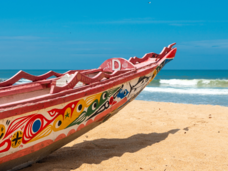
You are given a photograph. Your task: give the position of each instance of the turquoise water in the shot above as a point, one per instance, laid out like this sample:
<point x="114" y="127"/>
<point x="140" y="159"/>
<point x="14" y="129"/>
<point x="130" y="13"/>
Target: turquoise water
<point x="178" y="86"/>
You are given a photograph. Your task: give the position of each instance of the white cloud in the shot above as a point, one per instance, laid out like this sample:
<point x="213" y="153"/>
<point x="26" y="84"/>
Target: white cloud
<point x="19" y="38"/>
<point x="180" y="24"/>
<point x="220" y="43"/>
<point x="91" y="42"/>
<point x="151" y="21"/>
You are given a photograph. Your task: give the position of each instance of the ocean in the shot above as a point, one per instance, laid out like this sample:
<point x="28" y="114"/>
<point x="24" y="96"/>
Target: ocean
<point x="177" y="86"/>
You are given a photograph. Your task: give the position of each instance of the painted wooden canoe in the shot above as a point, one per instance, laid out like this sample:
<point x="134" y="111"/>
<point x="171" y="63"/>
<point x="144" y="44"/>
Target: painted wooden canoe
<point x="39" y="117"/>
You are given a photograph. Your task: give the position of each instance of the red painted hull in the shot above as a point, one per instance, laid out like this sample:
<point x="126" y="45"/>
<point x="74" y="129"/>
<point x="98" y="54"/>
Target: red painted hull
<point x="39" y="117"/>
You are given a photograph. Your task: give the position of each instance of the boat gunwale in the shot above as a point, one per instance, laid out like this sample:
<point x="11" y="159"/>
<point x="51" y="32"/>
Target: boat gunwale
<point x="46" y="81"/>
<point x="71" y="94"/>
<point x="60" y="97"/>
<point x="35" y="86"/>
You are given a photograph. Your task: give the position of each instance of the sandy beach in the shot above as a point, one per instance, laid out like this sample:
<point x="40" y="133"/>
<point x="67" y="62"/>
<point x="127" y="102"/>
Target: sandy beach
<point x="149" y="136"/>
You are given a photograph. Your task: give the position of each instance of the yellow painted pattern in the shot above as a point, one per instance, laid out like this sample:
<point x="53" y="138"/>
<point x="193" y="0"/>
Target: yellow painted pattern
<point x="63" y="120"/>
<point x="16" y="139"/>
<point x="2" y="131"/>
<point x="153" y="76"/>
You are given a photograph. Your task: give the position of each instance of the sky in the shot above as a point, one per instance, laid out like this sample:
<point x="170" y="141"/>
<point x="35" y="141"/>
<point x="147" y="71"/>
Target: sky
<point x="83" y="34"/>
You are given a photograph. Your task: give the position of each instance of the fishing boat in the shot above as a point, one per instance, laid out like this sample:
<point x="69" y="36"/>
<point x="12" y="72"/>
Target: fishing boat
<point x="38" y="117"/>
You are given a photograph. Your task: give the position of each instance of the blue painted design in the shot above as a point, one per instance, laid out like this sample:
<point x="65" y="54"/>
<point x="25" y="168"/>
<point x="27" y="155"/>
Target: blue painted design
<point x="36" y="125"/>
<point x="122" y="93"/>
<point x="168" y="60"/>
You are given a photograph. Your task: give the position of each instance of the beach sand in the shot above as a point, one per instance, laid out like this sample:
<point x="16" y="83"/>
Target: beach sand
<point x="149" y="136"/>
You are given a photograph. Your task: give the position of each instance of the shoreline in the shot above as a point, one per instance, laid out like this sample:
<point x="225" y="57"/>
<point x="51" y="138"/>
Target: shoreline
<point x="149" y="136"/>
<point x="182" y="103"/>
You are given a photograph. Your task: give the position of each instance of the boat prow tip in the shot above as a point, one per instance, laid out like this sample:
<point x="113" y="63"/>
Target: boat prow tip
<point x="171" y="45"/>
<point x="171" y="54"/>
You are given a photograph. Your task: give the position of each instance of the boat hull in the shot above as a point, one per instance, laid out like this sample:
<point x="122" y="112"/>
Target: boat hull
<point x="30" y="137"/>
<point x="33" y="157"/>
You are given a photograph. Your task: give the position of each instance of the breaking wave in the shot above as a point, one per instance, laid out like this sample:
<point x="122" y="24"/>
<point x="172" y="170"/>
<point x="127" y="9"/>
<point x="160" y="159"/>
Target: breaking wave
<point x="21" y="81"/>
<point x="190" y="83"/>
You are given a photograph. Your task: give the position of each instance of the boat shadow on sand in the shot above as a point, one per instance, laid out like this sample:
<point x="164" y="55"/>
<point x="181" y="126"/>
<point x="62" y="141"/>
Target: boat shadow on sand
<point x="96" y="151"/>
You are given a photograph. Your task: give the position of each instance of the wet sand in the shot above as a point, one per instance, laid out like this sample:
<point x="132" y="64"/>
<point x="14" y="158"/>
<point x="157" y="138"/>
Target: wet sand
<point x="149" y="136"/>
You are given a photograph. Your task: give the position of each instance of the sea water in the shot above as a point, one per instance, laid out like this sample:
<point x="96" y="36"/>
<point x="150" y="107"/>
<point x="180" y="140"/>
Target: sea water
<point x="188" y="86"/>
<point x="178" y="86"/>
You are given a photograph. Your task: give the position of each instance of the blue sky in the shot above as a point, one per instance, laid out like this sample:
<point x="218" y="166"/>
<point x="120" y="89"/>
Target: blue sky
<point x="82" y="34"/>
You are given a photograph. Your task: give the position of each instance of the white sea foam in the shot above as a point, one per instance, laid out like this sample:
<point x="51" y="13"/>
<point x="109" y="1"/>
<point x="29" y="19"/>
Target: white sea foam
<point x="194" y="82"/>
<point x="23" y="81"/>
<point x="187" y="91"/>
<point x="179" y="82"/>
